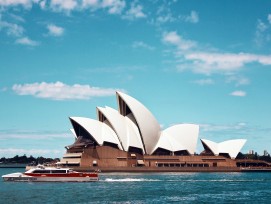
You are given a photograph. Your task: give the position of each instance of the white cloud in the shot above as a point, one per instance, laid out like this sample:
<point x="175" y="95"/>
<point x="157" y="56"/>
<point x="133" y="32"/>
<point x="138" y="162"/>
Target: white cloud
<point x="204" y="82"/>
<point x="227" y="127"/>
<point x="63" y="5"/>
<point x="140" y="44"/>
<point x="190" y="56"/>
<point x="24" y="3"/>
<point x="114" y="6"/>
<point x="174" y="39"/>
<point x="90" y="3"/>
<point x="269" y="18"/>
<point x="164" y="15"/>
<point x="12" y="29"/>
<point x="223" y="62"/>
<point x="261" y="26"/>
<point x="26" y="41"/>
<point x="136" y="11"/>
<point x="262" y="34"/>
<point x="61" y="91"/>
<point x="238" y="93"/>
<point x="55" y="30"/>
<point x="43" y="4"/>
<point x="192" y="18"/>
<point x="165" y="19"/>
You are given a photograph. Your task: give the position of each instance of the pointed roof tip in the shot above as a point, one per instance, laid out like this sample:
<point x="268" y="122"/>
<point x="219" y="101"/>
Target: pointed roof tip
<point x="205" y="140"/>
<point x="122" y="92"/>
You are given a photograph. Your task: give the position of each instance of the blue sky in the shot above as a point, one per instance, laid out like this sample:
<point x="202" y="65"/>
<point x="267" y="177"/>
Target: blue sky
<point x="205" y="62"/>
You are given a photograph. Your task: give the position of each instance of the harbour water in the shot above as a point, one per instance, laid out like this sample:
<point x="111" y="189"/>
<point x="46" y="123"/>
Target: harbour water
<point x="144" y="188"/>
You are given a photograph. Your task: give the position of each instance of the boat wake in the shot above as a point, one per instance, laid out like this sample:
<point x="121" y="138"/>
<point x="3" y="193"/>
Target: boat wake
<point x="182" y="180"/>
<point x="130" y="180"/>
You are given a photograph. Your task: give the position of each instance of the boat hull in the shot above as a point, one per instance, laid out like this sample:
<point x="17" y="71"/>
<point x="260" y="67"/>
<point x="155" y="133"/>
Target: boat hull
<point x="20" y="177"/>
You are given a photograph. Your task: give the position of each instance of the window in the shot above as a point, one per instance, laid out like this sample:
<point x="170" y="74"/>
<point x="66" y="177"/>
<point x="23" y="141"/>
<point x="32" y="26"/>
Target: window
<point x="58" y="171"/>
<point x="41" y="171"/>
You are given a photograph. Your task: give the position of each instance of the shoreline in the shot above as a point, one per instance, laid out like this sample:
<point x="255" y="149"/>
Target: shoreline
<point x="13" y="165"/>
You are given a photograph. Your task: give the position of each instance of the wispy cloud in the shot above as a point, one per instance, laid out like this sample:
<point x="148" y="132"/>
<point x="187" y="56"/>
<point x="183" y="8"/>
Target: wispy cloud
<point x="55" y="30"/>
<point x="21" y="142"/>
<point x="174" y="39"/>
<point x="33" y="135"/>
<point x="163" y="15"/>
<point x="61" y="91"/>
<point x="27" y="41"/>
<point x="33" y="152"/>
<point x="63" y="5"/>
<point x="262" y="34"/>
<point x="42" y="4"/>
<point x="17" y="18"/>
<point x="12" y="29"/>
<point x="204" y="81"/>
<point x="218" y="127"/>
<point x="239" y="128"/>
<point x="113" y="6"/>
<point x="140" y="44"/>
<point x="135" y="12"/>
<point x="24" y="3"/>
<point x="238" y="93"/>
<point x="67" y="6"/>
<point x="208" y="62"/>
<point x="192" y="18"/>
<point x="238" y="80"/>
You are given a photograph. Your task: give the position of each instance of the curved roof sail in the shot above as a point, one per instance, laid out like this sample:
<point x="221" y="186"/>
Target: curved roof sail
<point x="179" y="137"/>
<point x="169" y="143"/>
<point x="231" y="147"/>
<point x="125" y="129"/>
<point x="96" y="130"/>
<point x="147" y="124"/>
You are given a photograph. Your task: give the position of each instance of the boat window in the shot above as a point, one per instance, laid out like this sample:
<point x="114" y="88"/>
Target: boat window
<point x="41" y="171"/>
<point x="58" y="171"/>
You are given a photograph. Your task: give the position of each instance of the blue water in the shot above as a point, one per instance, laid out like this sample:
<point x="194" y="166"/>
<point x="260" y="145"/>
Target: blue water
<point x="145" y="188"/>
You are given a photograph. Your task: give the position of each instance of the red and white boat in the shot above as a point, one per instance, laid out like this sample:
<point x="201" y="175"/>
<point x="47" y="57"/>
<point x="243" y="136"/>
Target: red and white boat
<point x="51" y="174"/>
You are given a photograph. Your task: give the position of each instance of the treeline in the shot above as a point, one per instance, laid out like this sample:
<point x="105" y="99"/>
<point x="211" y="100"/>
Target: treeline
<point x="27" y="160"/>
<point x="255" y="156"/>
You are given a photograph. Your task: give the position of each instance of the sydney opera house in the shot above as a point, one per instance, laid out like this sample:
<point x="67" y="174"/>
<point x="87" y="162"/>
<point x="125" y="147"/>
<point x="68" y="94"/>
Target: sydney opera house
<point x="131" y="139"/>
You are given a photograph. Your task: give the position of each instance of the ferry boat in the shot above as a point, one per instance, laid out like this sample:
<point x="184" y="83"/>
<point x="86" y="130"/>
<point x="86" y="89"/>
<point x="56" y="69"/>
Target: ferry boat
<point x="51" y="174"/>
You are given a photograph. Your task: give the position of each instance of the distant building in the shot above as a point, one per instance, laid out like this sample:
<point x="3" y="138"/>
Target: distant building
<point x="265" y="153"/>
<point x="251" y="152"/>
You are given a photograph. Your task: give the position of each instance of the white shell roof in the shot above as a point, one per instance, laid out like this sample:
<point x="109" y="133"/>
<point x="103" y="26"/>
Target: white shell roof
<point x="181" y="137"/>
<point x="100" y="131"/>
<point x="125" y="129"/>
<point x="231" y="147"/>
<point x="148" y="125"/>
<point x="169" y="143"/>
